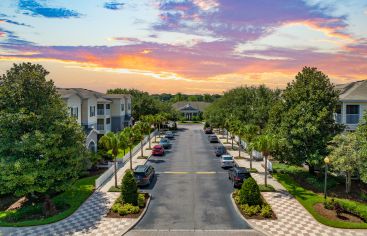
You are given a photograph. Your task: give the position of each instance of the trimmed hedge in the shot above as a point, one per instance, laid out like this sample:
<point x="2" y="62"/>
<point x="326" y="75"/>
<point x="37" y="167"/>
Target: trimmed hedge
<point x="250" y="193"/>
<point x="129" y="189"/>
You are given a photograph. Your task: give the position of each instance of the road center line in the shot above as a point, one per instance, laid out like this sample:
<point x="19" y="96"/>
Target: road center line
<point x="191" y="172"/>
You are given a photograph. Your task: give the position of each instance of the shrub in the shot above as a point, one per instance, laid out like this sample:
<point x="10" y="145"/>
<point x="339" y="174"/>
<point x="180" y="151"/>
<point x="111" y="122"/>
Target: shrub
<point x="268" y="188"/>
<point x="329" y="204"/>
<point x="250" y="193"/>
<point x="250" y="210"/>
<point x="129" y="189"/>
<point x="127" y="209"/>
<point x="115" y="207"/>
<point x="363" y="196"/>
<point x="266" y="211"/>
<point x="141" y="200"/>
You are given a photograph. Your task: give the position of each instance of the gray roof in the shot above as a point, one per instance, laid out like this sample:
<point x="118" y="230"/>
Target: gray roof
<point x="354" y="91"/>
<point x="86" y="93"/>
<point x="201" y="106"/>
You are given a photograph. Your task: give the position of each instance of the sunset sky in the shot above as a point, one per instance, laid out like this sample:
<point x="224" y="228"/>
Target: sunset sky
<point x="191" y="46"/>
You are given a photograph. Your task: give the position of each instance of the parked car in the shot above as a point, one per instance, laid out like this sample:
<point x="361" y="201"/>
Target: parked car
<point x="165" y="143"/>
<point x="144" y="174"/>
<point x="208" y="130"/>
<point x="226" y="161"/>
<point x="220" y="150"/>
<point x="158" y="150"/>
<point x="237" y="175"/>
<point x="213" y="138"/>
<point x="169" y="135"/>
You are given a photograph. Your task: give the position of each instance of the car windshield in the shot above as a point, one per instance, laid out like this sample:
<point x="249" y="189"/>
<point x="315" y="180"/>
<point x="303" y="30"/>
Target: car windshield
<point x="244" y="175"/>
<point x="163" y="141"/>
<point x="139" y="173"/>
<point x="227" y="158"/>
<point x="157" y="148"/>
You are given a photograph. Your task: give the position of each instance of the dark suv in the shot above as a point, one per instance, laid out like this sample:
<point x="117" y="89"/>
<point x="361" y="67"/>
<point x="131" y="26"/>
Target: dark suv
<point x="220" y="150"/>
<point x="144" y="174"/>
<point x="237" y="175"/>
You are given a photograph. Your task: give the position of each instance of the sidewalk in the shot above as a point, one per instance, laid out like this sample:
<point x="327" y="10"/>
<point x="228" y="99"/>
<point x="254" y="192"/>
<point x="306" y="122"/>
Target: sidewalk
<point x="293" y="218"/>
<point x="90" y="218"/>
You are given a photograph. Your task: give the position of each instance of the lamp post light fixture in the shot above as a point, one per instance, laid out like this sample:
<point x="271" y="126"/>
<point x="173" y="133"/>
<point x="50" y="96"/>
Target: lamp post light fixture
<point x="326" y="161"/>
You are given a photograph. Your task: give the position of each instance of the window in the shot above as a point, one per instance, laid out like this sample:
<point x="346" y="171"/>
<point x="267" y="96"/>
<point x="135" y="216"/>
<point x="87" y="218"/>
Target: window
<point x="100" y="106"/>
<point x="74" y="112"/>
<point x="92" y="111"/>
<point x="107" y="106"/>
<point x="122" y="107"/>
<point x="352" y="114"/>
<point x="108" y="121"/>
<point x="129" y="106"/>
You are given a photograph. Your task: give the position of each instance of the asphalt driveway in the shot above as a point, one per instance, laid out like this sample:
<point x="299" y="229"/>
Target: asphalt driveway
<point x="191" y="190"/>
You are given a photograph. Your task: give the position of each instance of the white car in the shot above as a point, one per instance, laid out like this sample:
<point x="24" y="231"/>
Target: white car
<point x="226" y="161"/>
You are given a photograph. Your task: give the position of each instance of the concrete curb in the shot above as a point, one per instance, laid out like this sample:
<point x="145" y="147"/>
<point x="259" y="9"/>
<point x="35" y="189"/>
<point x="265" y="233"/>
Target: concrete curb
<point x="140" y="217"/>
<point x="246" y="220"/>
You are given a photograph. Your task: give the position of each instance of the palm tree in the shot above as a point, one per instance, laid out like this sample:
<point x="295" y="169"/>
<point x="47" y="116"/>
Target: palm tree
<point x="234" y="128"/>
<point x="131" y="137"/>
<point x="265" y="143"/>
<point x="227" y="124"/>
<point x="114" y="142"/>
<point x="142" y="128"/>
<point x="249" y="133"/>
<point x="150" y="120"/>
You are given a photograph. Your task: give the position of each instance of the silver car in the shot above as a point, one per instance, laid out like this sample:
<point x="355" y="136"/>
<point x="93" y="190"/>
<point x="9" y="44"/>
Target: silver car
<point x="226" y="161"/>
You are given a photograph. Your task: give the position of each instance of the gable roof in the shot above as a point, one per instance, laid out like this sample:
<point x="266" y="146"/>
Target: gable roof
<point x="86" y="93"/>
<point x="184" y="106"/>
<point x="354" y="91"/>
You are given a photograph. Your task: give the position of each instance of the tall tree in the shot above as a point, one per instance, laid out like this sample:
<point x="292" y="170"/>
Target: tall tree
<point x="344" y="156"/>
<point x="303" y="118"/>
<point x="114" y="142"/>
<point x="131" y="138"/>
<point x="361" y="136"/>
<point x="250" y="132"/>
<point x="42" y="148"/>
<point x="265" y="144"/>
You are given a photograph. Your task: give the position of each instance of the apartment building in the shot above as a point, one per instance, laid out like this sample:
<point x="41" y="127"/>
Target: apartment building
<point x="352" y="104"/>
<point x="98" y="113"/>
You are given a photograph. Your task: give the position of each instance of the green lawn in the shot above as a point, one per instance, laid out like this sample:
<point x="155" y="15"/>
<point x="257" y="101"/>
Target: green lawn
<point x="308" y="199"/>
<point x="74" y="197"/>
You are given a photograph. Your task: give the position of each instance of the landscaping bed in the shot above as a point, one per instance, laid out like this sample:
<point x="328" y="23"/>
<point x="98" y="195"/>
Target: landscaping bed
<point x="121" y="210"/>
<point x="66" y="204"/>
<point x="311" y="201"/>
<point x="250" y="202"/>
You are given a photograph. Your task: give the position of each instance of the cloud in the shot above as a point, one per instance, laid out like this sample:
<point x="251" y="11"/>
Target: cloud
<point x="34" y="8"/>
<point x="113" y="5"/>
<point x="13" y="22"/>
<point x="10" y="39"/>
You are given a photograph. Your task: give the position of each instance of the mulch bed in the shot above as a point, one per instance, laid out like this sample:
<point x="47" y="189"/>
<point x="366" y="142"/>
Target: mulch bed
<point x="256" y="217"/>
<point x="331" y="214"/>
<point x="112" y="214"/>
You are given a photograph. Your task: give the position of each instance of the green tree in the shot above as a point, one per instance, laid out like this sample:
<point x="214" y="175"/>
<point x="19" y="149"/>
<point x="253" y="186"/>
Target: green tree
<point x="114" y="143"/>
<point x="143" y="128"/>
<point x="249" y="134"/>
<point x="129" y="189"/>
<point x="303" y="118"/>
<point x="265" y="144"/>
<point x="131" y="134"/>
<point x="250" y="193"/>
<point x="37" y="135"/>
<point x="361" y="136"/>
<point x="150" y="121"/>
<point x="344" y="156"/>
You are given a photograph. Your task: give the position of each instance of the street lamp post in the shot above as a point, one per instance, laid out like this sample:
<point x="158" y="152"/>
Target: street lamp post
<point x="326" y="161"/>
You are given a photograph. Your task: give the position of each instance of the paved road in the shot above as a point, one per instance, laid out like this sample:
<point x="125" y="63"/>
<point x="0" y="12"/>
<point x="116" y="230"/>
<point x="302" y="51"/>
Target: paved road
<point x="191" y="191"/>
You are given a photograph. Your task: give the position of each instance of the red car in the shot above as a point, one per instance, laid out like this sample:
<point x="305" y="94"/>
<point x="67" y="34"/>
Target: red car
<point x="158" y="150"/>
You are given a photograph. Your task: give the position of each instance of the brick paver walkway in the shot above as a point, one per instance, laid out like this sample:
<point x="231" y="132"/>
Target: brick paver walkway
<point x="90" y="218"/>
<point x="293" y="218"/>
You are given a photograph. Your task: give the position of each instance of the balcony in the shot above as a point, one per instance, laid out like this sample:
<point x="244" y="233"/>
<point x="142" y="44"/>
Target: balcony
<point x="352" y="119"/>
<point x="108" y="112"/>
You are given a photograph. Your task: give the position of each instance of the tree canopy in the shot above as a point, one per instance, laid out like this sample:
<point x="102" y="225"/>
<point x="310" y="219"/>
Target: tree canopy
<point x="42" y="148"/>
<point x="303" y="118"/>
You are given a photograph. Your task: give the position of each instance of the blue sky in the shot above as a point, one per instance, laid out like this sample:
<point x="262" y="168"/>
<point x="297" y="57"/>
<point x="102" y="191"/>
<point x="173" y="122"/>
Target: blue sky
<point x="189" y="46"/>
